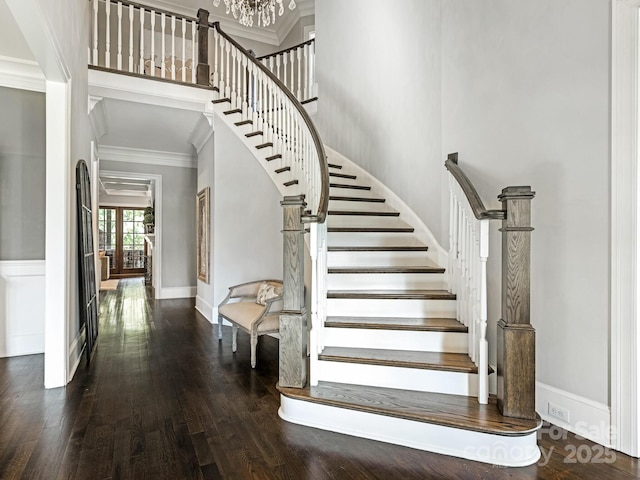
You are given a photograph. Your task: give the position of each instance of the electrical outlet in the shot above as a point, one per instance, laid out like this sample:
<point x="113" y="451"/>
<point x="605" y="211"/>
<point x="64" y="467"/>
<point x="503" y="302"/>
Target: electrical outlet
<point x="559" y="412"/>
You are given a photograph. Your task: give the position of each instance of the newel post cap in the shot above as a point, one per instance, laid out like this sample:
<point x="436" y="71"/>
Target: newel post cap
<point x="514" y="193"/>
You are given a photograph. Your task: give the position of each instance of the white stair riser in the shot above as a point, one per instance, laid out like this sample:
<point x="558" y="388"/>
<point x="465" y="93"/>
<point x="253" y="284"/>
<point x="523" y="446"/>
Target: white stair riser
<point x="382" y="281"/>
<point x="340" y="307"/>
<point x="342" y="205"/>
<point x="438" y="381"/>
<point x="380" y="259"/>
<point x="365" y="221"/>
<point x="509" y="451"/>
<point x="377" y="239"/>
<point x="421" y="341"/>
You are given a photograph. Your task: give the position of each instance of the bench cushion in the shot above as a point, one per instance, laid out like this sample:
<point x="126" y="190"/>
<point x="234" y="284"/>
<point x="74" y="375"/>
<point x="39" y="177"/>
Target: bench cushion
<point x="244" y="314"/>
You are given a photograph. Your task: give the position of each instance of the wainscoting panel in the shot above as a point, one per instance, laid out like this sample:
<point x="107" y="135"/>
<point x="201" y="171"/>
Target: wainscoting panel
<point x="22" y="290"/>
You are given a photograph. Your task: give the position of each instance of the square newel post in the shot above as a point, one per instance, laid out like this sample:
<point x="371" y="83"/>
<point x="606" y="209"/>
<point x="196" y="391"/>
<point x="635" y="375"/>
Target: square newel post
<point x="293" y="319"/>
<point x="202" y="70"/>
<point x="516" y="336"/>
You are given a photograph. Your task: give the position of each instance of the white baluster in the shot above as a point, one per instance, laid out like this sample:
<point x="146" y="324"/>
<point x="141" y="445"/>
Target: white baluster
<point x="227" y="90"/>
<point x="163" y="67"/>
<point x="173" y="47"/>
<point x="184" y="49"/>
<point x="305" y="93"/>
<point x="131" y="13"/>
<point x="119" y="57"/>
<point x="152" y="15"/>
<point x="141" y="61"/>
<point x="95" y="32"/>
<point x="299" y="92"/>
<point x="234" y="73"/>
<point x="483" y="346"/>
<point x="292" y="63"/>
<point x="216" y="37"/>
<point x="285" y="59"/>
<point x="278" y="61"/>
<point x="107" y="52"/>
<point x="194" y="60"/>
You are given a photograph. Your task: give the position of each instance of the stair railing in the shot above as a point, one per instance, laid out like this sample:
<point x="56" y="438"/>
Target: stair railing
<point x="295" y="67"/>
<point x="468" y="255"/>
<point x="259" y="96"/>
<point x="132" y="38"/>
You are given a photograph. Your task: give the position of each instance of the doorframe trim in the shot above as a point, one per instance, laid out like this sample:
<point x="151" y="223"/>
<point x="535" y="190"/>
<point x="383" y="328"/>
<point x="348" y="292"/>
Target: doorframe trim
<point x="157" y="251"/>
<point x="625" y="203"/>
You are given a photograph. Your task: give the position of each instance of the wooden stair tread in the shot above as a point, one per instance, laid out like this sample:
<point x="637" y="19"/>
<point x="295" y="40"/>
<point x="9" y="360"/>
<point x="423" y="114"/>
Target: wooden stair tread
<point x="398" y="323"/>
<point x="243" y="122"/>
<point x="370" y="229"/>
<point x="342" y="175"/>
<point x="273" y="157"/>
<point x="454" y="411"/>
<point x="373" y="248"/>
<point x="345" y="185"/>
<point x="290" y="182"/>
<point x="392" y="294"/>
<point x="231" y="112"/>
<point x="449" y="362"/>
<point x="221" y="100"/>
<point x="264" y="145"/>
<point x="333" y="165"/>
<point x="253" y="134"/>
<point x="283" y="169"/>
<point x="362" y="213"/>
<point x="374" y="270"/>
<point x="339" y="198"/>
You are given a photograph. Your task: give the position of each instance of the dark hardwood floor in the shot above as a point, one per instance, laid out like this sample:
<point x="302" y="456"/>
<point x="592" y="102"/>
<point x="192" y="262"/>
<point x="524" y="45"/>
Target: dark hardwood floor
<point x="163" y="399"/>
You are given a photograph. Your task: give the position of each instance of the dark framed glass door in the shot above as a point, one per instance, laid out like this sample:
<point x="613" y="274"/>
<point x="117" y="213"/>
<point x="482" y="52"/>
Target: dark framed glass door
<point x="121" y="237"/>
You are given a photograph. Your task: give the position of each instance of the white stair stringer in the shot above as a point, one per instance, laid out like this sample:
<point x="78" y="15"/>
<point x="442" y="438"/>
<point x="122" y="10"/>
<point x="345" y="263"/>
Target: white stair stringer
<point x="421" y="341"/>
<point x="403" y="378"/>
<point x="504" y="450"/>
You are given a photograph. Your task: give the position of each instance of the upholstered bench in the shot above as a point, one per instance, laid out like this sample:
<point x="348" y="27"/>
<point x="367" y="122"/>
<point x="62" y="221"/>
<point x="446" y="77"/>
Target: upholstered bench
<point x="255" y="308"/>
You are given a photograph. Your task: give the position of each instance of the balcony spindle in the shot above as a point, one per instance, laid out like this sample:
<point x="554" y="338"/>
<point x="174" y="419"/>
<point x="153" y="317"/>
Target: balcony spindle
<point x="95" y="32"/>
<point x="131" y="14"/>
<point x="119" y="57"/>
<point x="173" y="47"/>
<point x="152" y="18"/>
<point x="163" y="67"/>
<point x="184" y="50"/>
<point x="141" y="61"/>
<point x="107" y="52"/>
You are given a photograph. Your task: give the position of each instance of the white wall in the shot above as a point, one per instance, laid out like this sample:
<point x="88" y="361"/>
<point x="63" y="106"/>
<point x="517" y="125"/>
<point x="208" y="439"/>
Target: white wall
<point x="296" y="35"/>
<point x="378" y="74"/>
<point x="247" y="217"/>
<point x="178" y="223"/>
<point x="526" y="101"/>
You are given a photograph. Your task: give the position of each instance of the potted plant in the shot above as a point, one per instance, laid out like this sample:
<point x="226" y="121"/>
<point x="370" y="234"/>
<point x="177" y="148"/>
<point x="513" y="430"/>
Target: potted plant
<point x="149" y="220"/>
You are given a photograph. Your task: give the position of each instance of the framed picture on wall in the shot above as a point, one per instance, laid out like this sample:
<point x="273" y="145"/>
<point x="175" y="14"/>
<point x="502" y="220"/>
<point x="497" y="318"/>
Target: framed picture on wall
<point x="202" y="206"/>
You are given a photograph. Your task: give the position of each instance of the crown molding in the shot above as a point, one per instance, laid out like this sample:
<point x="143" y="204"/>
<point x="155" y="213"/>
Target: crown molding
<point x="147" y="157"/>
<point x="21" y="74"/>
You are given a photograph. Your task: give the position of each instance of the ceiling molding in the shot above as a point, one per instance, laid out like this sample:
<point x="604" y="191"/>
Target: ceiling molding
<point x="147" y="157"/>
<point x="21" y="74"/>
<point x="202" y="132"/>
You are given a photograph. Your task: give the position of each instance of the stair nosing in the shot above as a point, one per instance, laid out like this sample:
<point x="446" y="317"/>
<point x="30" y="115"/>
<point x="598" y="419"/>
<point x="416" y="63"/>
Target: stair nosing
<point x="363" y="213"/>
<point x="386" y="270"/>
<point x="374" y="248"/>
<point x="338" y="198"/>
<point x="377" y="323"/>
<point x="345" y="185"/>
<point x="370" y="229"/>
<point x="424" y="294"/>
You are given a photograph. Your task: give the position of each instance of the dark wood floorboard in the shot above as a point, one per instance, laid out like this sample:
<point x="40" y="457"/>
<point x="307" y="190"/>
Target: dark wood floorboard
<point x="163" y="399"/>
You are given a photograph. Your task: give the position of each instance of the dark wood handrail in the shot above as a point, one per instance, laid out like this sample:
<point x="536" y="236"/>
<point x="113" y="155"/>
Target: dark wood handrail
<point x="149" y="8"/>
<point x="479" y="210"/>
<point x="286" y="50"/>
<point x="323" y="204"/>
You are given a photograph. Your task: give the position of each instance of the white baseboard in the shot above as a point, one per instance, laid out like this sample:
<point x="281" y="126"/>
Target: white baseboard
<point x="589" y="419"/>
<point x="204" y="308"/>
<point x="75" y="354"/>
<point x="177" y="292"/>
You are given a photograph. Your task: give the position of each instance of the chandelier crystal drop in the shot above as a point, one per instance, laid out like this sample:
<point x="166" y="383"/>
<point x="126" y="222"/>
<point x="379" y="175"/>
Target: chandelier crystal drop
<point x="246" y="10"/>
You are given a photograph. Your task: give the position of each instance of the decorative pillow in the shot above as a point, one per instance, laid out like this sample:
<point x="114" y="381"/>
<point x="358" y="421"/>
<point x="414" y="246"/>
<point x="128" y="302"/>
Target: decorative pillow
<point x="267" y="291"/>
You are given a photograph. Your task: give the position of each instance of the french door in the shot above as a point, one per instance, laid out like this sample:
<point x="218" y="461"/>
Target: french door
<point x="121" y="237"/>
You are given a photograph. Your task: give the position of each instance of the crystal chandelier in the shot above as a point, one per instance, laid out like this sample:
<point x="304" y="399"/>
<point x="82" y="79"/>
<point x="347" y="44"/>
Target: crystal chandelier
<point x="245" y="10"/>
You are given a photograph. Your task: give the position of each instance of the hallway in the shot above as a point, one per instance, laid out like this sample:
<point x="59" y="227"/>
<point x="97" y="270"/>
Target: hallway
<point x="163" y="399"/>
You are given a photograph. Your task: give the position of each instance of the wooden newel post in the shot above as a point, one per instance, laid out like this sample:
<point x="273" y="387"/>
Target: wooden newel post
<point x="293" y="319"/>
<point x="516" y="336"/>
<point x="202" y="71"/>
